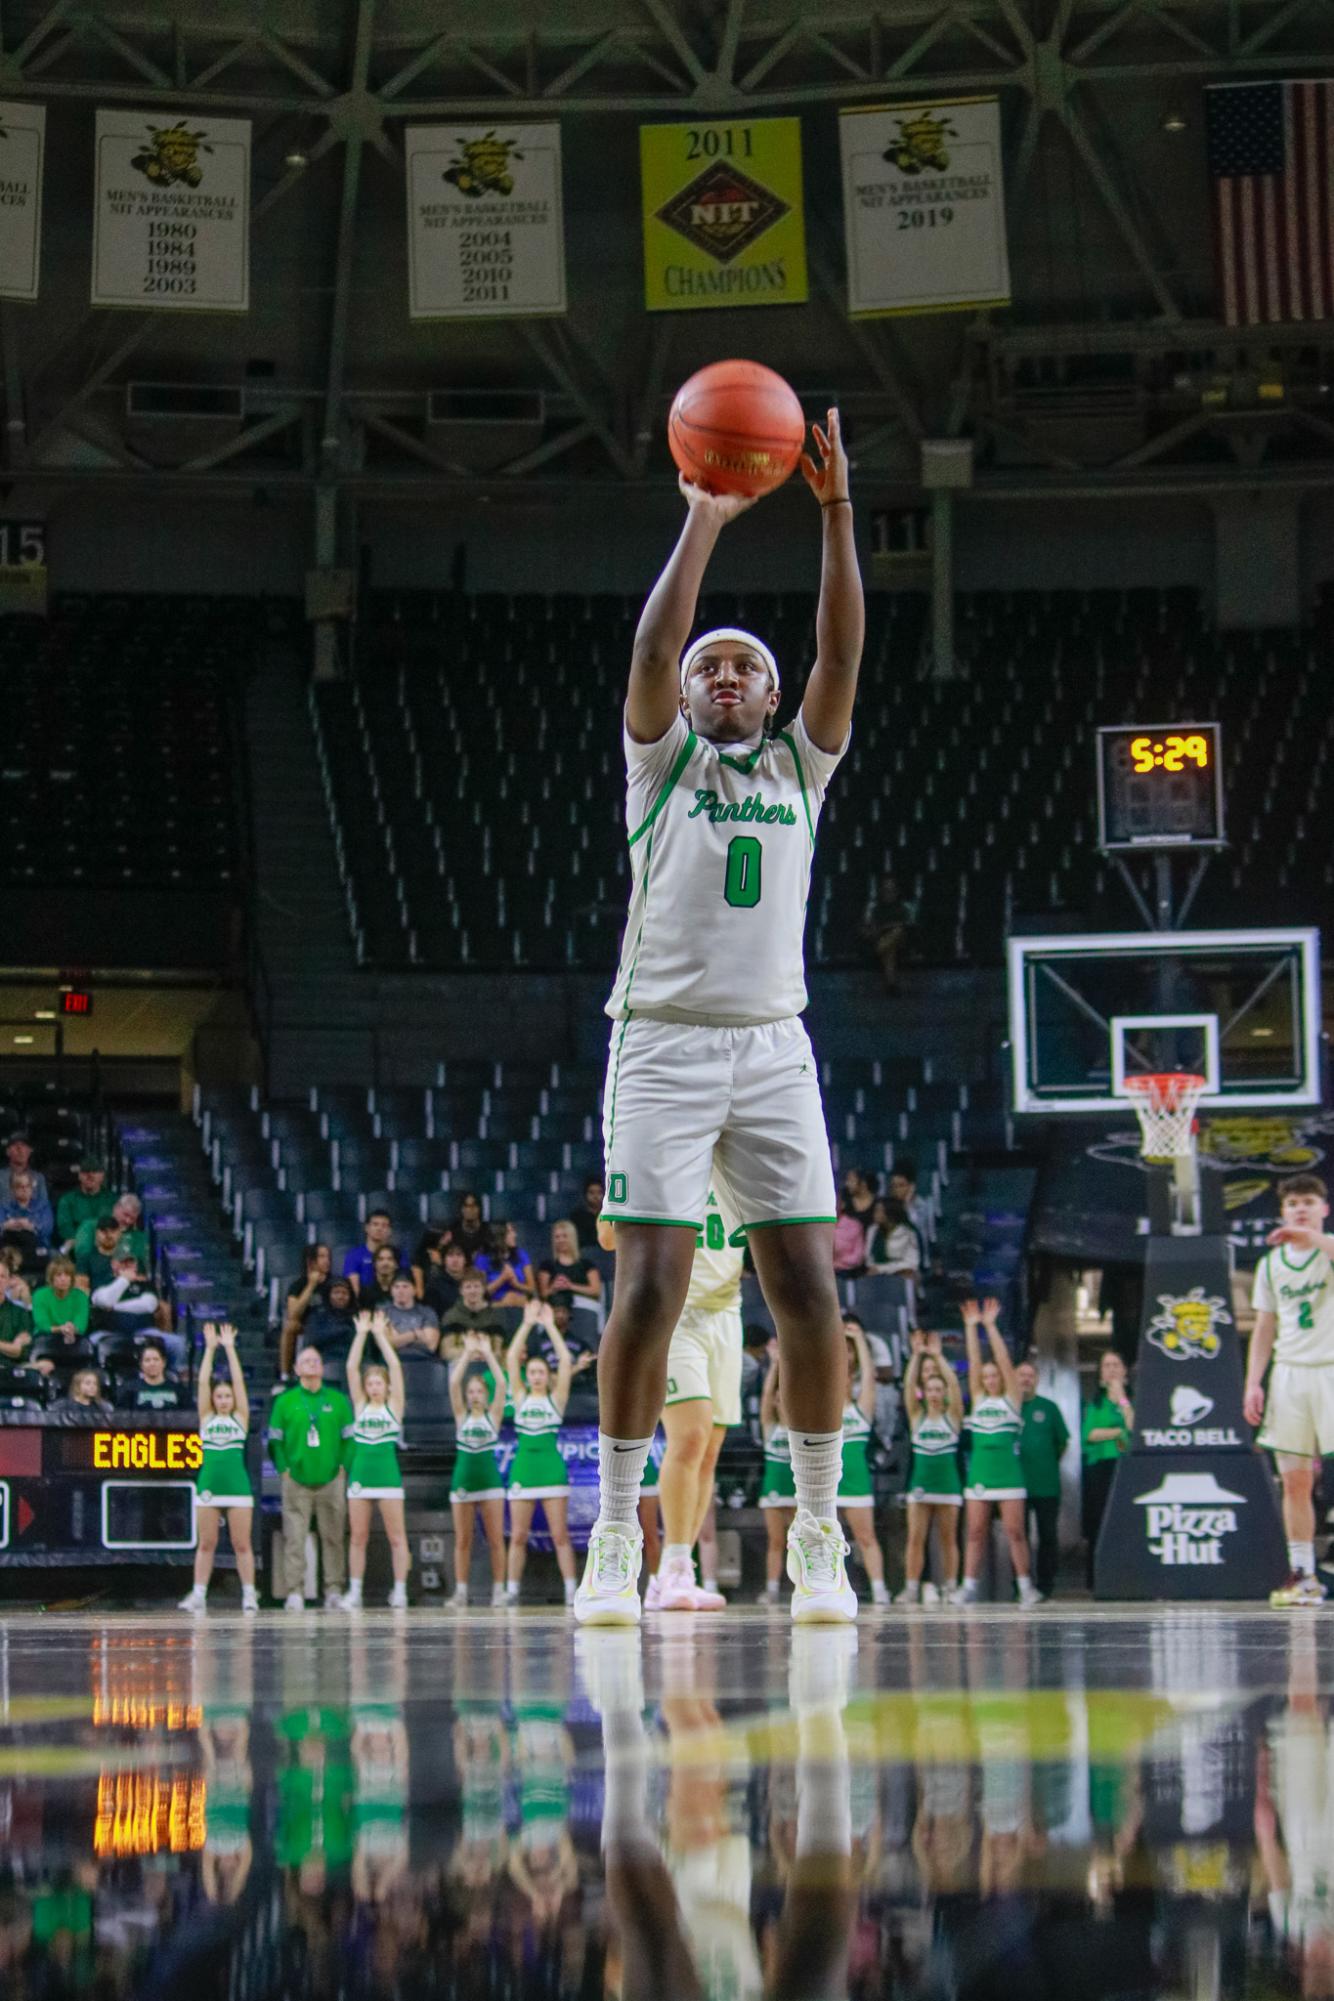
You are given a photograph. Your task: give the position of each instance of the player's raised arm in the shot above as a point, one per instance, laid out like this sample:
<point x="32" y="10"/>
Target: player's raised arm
<point x="664" y="624"/>
<point x="840" y="617"/>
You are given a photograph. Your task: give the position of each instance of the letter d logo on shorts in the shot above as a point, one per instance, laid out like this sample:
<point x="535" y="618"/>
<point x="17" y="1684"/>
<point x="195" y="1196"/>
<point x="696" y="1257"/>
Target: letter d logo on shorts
<point x="618" y="1189"/>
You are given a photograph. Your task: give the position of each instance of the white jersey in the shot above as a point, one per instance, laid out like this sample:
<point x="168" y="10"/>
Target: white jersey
<point x="715" y="1276"/>
<point x="720" y="856"/>
<point x="1299" y="1289"/>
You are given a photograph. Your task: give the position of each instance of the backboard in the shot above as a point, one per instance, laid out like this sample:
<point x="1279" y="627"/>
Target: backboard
<point x="1240" y="1008"/>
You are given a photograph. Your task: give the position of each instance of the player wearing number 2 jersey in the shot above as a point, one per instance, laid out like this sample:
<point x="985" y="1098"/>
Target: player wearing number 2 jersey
<point x="709" y="1060"/>
<point x="1294" y="1322"/>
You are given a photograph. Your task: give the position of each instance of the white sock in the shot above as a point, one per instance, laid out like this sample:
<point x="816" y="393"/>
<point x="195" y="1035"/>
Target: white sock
<point x="711" y="1584"/>
<point x="621" y="1463"/>
<point x="824" y="1789"/>
<point x="771" y="1587"/>
<point x="817" y="1460"/>
<point x="879" y="1594"/>
<point x="511" y="1589"/>
<point x="569" y="1590"/>
<point x="1301" y="1555"/>
<point x="673" y="1552"/>
<point x="354" y="1591"/>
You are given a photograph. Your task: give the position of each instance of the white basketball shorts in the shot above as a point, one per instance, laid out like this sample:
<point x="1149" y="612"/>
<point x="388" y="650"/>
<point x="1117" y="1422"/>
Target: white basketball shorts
<point x="704" y="1362"/>
<point x="1299" y="1411"/>
<point x="678" y="1096"/>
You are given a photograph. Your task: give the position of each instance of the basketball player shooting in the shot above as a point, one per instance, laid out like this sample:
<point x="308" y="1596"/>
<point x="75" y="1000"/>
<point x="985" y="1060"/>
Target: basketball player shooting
<point x="708" y="1052"/>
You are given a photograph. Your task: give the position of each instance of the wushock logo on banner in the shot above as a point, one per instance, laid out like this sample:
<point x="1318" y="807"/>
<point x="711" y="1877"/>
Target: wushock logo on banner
<point x="486" y="238"/>
<point x="724" y="222"/>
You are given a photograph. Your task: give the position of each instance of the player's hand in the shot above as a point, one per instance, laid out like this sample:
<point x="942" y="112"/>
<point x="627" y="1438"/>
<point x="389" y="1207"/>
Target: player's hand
<point x="828" y="481"/>
<point x="1253" y="1405"/>
<point x="1302" y="1236"/>
<point x="717" y="508"/>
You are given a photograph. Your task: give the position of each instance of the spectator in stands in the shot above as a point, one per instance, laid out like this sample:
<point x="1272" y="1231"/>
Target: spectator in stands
<point x="26" y="1221"/>
<point x="860" y="1193"/>
<point x="1105" y="1434"/>
<point x="1044" y="1439"/>
<point x="903" y="1188"/>
<point x="472" y="1315"/>
<point x="308" y="1442"/>
<point x="413" y="1326"/>
<point x="222" y="1483"/>
<point x="373" y="1473"/>
<point x="151" y="1388"/>
<point x="327" y="1325"/>
<point x="587" y="1210"/>
<point x="892" y="1246"/>
<point x="13" y="1285"/>
<point x="885" y="927"/>
<point x="849" y="1245"/>
<point x="16" y="1316"/>
<point x="82" y="1204"/>
<point x="566" y="1271"/>
<point x="128" y="1305"/>
<point x="96" y="1238"/>
<point x="507" y="1269"/>
<point x="58" y="1307"/>
<point x="376" y="1293"/>
<point x="316" y="1271"/>
<point x="468" y="1226"/>
<point x="18" y="1160"/>
<point x="442" y="1279"/>
<point x="84" y="1397"/>
<point x="359" y="1264"/>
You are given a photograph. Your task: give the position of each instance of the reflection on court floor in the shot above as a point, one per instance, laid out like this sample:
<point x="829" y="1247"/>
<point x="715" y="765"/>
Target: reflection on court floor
<point x="498" y="1806"/>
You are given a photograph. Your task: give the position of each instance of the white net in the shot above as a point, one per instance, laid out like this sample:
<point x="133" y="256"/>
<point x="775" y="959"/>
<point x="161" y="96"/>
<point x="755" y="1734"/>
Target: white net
<point x="1166" y="1107"/>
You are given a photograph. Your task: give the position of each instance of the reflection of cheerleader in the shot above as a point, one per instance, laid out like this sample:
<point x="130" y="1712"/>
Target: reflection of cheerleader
<point x="542" y="1859"/>
<point x="778" y="1494"/>
<point x="223" y="1688"/>
<point x="539" y="1472"/>
<point x="380" y="1758"/>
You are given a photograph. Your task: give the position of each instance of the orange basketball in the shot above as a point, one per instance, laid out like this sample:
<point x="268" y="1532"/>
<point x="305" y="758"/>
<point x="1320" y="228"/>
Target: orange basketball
<point x="736" y="427"/>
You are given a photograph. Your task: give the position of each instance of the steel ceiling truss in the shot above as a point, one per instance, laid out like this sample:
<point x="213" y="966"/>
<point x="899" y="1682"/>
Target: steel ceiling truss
<point x="352" y="87"/>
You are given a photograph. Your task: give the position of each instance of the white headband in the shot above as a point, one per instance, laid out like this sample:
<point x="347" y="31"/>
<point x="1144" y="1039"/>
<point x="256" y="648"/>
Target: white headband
<point x="693" y="651"/>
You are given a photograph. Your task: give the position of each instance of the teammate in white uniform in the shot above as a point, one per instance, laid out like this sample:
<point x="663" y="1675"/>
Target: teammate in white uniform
<point x="1294" y="1322"/>
<point x="709" y="1059"/>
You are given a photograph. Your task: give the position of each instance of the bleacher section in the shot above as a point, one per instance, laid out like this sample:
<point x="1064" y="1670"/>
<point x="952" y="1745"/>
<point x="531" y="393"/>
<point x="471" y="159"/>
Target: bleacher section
<point x="474" y="774"/>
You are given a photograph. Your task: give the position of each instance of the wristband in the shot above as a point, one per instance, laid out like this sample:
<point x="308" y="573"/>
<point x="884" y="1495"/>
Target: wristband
<point x="841" y="502"/>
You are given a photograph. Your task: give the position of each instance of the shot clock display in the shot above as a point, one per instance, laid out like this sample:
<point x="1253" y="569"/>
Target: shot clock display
<point x="1160" y="785"/>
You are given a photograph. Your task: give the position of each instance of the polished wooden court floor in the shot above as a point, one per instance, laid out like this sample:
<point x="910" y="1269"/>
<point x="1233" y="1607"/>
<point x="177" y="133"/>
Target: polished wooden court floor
<point x="1073" y="1803"/>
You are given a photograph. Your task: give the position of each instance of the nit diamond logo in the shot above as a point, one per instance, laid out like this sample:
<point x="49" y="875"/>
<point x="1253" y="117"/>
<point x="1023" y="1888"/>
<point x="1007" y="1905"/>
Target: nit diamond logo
<point x="722" y="211"/>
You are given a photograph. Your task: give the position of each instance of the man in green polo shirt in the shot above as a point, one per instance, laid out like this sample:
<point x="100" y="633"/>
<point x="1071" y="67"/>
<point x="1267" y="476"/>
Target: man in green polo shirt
<point x="1044" y="1438"/>
<point x="83" y="1204"/>
<point x="308" y="1448"/>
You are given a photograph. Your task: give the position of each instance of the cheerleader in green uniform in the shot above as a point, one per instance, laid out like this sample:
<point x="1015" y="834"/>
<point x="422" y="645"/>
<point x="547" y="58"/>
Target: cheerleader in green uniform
<point x="477" y="1486"/>
<point x="995" y="1470"/>
<point x="935" y="1492"/>
<point x="539" y="1472"/>
<point x="778" y="1495"/>
<point x="373" y="1473"/>
<point x="855" y="1499"/>
<point x="222" y="1484"/>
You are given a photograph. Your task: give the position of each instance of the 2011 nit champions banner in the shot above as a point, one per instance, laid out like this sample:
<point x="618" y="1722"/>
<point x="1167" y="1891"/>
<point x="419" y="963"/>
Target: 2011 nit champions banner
<point x="724" y="220"/>
<point x="486" y="235"/>
<point x="22" y="139"/>
<point x="171" y="212"/>
<point x="924" y="207"/>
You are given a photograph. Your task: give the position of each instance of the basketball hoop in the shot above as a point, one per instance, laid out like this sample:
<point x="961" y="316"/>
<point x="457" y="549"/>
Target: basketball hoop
<point x="1165" y="1103"/>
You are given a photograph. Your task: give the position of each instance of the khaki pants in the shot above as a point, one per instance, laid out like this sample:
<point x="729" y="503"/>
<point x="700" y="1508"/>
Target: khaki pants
<point x="328" y="1505"/>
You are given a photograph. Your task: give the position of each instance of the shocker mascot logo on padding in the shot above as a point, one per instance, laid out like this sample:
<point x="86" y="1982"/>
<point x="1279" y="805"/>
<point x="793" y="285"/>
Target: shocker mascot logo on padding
<point x="1185" y="1327"/>
<point x="919" y="147"/>
<point x="483" y="166"/>
<point x="171" y="154"/>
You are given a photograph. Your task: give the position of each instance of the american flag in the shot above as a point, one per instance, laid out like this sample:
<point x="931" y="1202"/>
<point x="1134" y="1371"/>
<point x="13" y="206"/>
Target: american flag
<point x="1271" y="155"/>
